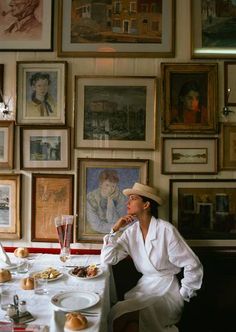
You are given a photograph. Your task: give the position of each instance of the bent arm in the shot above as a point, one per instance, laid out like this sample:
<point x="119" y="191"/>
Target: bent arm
<point x="113" y="249"/>
<point x="181" y="255"/>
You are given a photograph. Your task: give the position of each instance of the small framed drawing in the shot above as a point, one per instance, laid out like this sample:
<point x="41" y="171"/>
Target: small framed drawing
<point x="1" y="82"/>
<point x="41" y="93"/>
<point x="6" y="144"/>
<point x="228" y="146"/>
<point x="100" y="197"/>
<point x="52" y="196"/>
<point x="204" y="210"/>
<point x="115" y="112"/>
<point x="45" y="148"/>
<point x="189" y="98"/>
<point x="212" y="29"/>
<point x="188" y="155"/>
<point x="229" y="83"/>
<point x="26" y="25"/>
<point x="10" y="222"/>
<point x="116" y="29"/>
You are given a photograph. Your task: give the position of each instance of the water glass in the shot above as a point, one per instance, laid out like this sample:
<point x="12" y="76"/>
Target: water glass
<point x="40" y="286"/>
<point x="22" y="266"/>
<point x="6" y="297"/>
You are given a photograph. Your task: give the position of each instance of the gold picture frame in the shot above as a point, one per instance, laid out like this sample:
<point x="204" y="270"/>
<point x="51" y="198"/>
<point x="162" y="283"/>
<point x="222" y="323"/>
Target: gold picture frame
<point x="116" y="29"/>
<point x="189" y="98"/>
<point x="10" y="209"/>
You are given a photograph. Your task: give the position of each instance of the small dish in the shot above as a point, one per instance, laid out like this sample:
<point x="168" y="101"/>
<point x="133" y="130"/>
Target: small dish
<point x="99" y="272"/>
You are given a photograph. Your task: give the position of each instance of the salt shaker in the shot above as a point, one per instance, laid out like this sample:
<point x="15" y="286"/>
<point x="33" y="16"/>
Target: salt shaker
<point x="22" y="306"/>
<point x="11" y="310"/>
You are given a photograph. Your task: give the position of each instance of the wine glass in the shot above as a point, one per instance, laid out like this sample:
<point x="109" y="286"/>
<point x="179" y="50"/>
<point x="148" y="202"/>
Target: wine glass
<point x="64" y="255"/>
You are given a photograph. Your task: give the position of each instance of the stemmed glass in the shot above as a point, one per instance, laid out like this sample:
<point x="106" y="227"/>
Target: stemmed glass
<point x="64" y="255"/>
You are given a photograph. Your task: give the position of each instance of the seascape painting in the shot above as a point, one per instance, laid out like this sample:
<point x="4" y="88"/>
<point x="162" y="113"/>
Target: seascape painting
<point x="189" y="156"/>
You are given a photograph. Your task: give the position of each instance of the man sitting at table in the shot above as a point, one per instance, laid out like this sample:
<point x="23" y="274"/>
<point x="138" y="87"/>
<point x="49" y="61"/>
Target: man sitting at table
<point x="159" y="252"/>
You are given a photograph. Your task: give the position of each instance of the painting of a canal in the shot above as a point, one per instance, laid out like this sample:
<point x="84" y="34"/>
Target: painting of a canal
<point x="116" y="27"/>
<point x="214" y="28"/>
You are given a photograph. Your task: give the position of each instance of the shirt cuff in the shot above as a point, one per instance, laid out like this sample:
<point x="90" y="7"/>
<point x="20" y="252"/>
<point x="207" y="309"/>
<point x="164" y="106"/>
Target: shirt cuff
<point x="187" y="293"/>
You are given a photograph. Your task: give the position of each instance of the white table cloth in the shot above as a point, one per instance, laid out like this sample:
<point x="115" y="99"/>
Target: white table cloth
<point x="40" y="305"/>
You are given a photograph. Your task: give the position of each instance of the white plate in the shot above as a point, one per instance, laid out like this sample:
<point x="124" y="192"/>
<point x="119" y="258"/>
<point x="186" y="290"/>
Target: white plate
<point x="99" y="272"/>
<point x="52" y="279"/>
<point x="73" y="301"/>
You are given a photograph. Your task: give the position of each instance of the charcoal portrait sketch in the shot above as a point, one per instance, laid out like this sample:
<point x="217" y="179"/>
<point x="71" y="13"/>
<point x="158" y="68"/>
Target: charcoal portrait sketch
<point x="21" y="19"/>
<point x="115" y="112"/>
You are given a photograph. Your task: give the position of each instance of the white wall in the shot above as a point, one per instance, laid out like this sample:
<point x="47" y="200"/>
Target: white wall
<point x="109" y="66"/>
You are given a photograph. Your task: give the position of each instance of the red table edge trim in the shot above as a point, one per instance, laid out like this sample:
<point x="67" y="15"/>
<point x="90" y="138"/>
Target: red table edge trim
<point x="57" y="251"/>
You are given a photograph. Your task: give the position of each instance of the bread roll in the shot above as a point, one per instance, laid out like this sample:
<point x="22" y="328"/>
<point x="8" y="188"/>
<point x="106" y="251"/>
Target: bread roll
<point x="75" y="321"/>
<point x="27" y="283"/>
<point x="21" y="252"/>
<point x="5" y="275"/>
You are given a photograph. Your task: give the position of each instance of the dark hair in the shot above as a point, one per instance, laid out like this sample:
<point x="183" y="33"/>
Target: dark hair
<point x="186" y="88"/>
<point x="153" y="205"/>
<point x="39" y="76"/>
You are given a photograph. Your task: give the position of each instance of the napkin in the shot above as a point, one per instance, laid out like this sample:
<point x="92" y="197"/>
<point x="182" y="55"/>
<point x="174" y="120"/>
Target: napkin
<point x="4" y="258"/>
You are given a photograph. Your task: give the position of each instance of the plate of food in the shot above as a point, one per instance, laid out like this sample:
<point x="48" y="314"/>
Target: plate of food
<point x="74" y="301"/>
<point x="85" y="272"/>
<point x="51" y="274"/>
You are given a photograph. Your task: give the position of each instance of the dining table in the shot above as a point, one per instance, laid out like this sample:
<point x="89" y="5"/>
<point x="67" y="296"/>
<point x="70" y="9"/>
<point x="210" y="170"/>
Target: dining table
<point x="91" y="296"/>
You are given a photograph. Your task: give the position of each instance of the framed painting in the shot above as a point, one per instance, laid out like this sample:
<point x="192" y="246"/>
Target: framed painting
<point x="116" y="29"/>
<point x="1" y="83"/>
<point x="52" y="196"/>
<point x="100" y="197"/>
<point x="228" y="146"/>
<point x="41" y="92"/>
<point x="10" y="212"/>
<point x="189" y="97"/>
<point x="115" y="112"/>
<point x="26" y="25"/>
<point x="229" y="83"/>
<point x="204" y="210"/>
<point x="6" y="144"/>
<point x="45" y="148"/>
<point x="187" y="155"/>
<point x="213" y="29"/>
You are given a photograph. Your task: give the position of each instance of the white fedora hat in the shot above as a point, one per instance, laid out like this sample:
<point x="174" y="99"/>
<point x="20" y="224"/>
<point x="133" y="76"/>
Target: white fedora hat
<point x="143" y="190"/>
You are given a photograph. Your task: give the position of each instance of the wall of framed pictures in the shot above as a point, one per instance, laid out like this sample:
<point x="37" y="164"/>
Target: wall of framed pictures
<point x="119" y="101"/>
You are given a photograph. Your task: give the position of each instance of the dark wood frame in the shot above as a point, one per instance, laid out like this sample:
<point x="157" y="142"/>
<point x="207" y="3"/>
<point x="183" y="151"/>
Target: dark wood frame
<point x="229" y="83"/>
<point x="18" y="44"/>
<point x="170" y="71"/>
<point x="220" y="233"/>
<point x="1" y="81"/>
<point x="197" y="50"/>
<point x="10" y="126"/>
<point x="40" y="164"/>
<point x="88" y="235"/>
<point x="24" y="67"/>
<point x="35" y="207"/>
<point x="211" y="147"/>
<point x="227" y="146"/>
<point x="68" y="49"/>
<point x="15" y="232"/>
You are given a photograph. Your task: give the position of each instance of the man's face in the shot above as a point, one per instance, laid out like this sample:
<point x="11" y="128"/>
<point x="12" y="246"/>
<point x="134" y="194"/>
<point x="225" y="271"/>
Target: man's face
<point x="17" y="7"/>
<point x="107" y="188"/>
